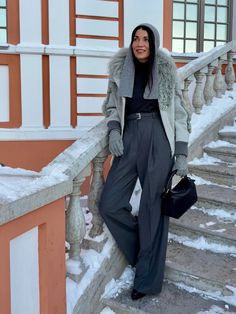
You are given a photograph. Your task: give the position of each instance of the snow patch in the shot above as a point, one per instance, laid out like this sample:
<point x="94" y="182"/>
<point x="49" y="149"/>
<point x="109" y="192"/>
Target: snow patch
<point x="219" y="213"/>
<point x="202" y="244"/>
<point x="115" y="287"/>
<point x="205" y="160"/>
<point x="220" y="143"/>
<point x="107" y="310"/>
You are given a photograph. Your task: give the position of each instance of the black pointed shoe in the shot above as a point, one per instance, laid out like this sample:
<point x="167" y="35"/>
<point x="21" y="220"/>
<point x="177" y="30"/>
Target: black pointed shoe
<point x="135" y="295"/>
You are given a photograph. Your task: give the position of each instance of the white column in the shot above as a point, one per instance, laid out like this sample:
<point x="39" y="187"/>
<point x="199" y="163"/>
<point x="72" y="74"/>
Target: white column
<point x="24" y="273"/>
<point x="59" y="22"/>
<point x="31" y="91"/>
<point x="4" y="98"/>
<point x="60" y="101"/>
<point x="30" y="21"/>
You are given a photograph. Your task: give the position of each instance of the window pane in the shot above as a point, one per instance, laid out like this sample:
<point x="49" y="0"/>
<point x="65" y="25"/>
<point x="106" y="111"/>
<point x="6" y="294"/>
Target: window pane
<point x="177" y="45"/>
<point x="191" y="29"/>
<point x="191" y="12"/>
<point x="3" y="36"/>
<point x="210" y="13"/>
<point x="221" y="32"/>
<point x="190" y="46"/>
<point x="3" y="22"/>
<point x="222" y="15"/>
<point x="178" y="11"/>
<point x="209" y="31"/>
<point x="178" y="29"/>
<point x="222" y="2"/>
<point x="2" y="3"/>
<point x="208" y="45"/>
<point x="210" y="1"/>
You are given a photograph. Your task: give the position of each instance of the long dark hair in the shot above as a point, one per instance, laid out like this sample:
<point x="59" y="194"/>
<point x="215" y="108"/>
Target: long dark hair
<point x="150" y="62"/>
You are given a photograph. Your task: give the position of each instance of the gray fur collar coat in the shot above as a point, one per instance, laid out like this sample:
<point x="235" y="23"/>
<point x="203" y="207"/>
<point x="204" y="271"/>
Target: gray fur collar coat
<point x="174" y="115"/>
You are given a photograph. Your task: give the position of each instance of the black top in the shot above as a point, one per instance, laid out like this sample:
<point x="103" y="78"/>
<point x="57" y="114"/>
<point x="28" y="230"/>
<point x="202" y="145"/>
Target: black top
<point x="137" y="103"/>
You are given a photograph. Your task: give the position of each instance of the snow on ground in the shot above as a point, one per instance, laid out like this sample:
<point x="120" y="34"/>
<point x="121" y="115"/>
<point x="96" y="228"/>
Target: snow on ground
<point x="115" y="287"/>
<point x="205" y="160"/>
<point x="16" y="183"/>
<point x="201" y="243"/>
<point x="209" y="114"/>
<point x="219" y="143"/>
<point x="216" y="310"/>
<point x="107" y="310"/>
<point x="215" y="295"/>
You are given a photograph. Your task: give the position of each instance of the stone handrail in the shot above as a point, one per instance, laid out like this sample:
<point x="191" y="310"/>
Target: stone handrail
<point x="91" y="148"/>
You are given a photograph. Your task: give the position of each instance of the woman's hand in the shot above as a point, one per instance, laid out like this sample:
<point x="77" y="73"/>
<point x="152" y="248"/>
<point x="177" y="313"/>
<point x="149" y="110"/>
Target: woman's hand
<point x="181" y="165"/>
<point x="115" y="143"/>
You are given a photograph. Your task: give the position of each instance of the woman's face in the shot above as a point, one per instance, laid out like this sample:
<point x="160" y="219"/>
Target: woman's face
<point x="140" y="45"/>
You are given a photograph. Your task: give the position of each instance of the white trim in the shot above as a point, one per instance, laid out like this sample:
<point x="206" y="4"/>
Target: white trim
<point x="31" y="90"/>
<point x="23" y="134"/>
<point x="24" y="273"/>
<point x="30" y="21"/>
<point x="60" y="100"/>
<point x="4" y="99"/>
<point x="59" y="22"/>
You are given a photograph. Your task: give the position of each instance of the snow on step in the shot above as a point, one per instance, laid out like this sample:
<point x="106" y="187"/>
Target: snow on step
<point x="196" y="227"/>
<point x="223" y="152"/>
<point x="203" y="270"/>
<point x="221" y="173"/>
<point x="215" y="196"/>
<point x="228" y="133"/>
<point x="171" y="300"/>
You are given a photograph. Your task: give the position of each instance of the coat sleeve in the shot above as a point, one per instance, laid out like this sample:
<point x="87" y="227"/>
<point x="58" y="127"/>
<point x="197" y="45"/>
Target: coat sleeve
<point x="182" y="123"/>
<point x="109" y="107"/>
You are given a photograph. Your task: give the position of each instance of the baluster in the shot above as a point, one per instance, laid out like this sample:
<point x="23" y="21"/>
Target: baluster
<point x="219" y="80"/>
<point x="95" y="193"/>
<point x="187" y="82"/>
<point x="76" y="228"/>
<point x="229" y="71"/>
<point x="198" y="92"/>
<point x="208" y="89"/>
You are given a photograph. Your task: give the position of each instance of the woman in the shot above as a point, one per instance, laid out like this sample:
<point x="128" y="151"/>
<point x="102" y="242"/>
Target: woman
<point x="148" y="136"/>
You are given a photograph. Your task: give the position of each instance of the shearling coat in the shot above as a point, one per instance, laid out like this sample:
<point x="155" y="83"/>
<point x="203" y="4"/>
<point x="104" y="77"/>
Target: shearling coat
<point x="173" y="113"/>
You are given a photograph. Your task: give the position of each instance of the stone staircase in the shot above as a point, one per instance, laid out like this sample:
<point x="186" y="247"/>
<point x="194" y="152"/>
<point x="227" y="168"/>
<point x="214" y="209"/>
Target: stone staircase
<point x="200" y="272"/>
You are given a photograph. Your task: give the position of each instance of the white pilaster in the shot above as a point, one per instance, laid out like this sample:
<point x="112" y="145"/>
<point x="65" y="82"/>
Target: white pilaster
<point x="24" y="273"/>
<point x="31" y="91"/>
<point x="60" y="92"/>
<point x="59" y="22"/>
<point x="30" y="21"/>
<point x="4" y="99"/>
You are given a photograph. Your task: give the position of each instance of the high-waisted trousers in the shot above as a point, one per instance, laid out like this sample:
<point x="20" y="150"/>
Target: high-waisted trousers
<point x="142" y="239"/>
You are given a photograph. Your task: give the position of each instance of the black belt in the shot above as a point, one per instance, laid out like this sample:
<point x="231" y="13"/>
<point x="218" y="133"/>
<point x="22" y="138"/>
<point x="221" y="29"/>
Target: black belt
<point x="141" y="115"/>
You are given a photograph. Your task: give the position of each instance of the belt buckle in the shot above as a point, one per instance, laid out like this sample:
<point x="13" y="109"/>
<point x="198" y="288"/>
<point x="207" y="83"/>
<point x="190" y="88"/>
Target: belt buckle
<point x="138" y="116"/>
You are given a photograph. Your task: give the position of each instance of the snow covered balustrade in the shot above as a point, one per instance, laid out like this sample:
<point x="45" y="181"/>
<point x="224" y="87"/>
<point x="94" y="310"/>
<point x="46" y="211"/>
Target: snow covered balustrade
<point x="215" y="84"/>
<point x="32" y="241"/>
<point x="75" y="162"/>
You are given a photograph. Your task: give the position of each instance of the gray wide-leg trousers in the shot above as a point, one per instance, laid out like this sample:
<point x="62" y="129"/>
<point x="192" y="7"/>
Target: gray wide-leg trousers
<point x="143" y="240"/>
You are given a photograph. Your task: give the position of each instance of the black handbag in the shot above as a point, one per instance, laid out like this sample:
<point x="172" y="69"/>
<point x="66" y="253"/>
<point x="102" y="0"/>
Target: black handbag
<point x="175" y="202"/>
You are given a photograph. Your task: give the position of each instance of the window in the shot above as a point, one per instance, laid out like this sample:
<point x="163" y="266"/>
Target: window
<point x="3" y="21"/>
<point x="200" y="25"/>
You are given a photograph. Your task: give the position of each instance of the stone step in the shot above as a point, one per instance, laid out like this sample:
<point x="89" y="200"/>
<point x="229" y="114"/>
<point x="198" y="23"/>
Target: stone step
<point x="217" y="234"/>
<point x="220" y="173"/>
<point x="212" y="196"/>
<point x="225" y="153"/>
<point x="212" y="273"/>
<point x="171" y="300"/>
<point x="228" y="136"/>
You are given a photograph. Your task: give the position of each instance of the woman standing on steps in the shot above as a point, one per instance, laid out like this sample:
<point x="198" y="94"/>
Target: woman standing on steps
<point x="148" y="137"/>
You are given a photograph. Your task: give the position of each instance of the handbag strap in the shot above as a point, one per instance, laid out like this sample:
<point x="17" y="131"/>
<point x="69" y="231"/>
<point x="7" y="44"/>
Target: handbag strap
<point x="169" y="182"/>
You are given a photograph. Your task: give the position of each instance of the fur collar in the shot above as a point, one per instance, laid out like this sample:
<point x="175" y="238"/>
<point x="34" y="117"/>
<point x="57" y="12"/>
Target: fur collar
<point x="165" y="74"/>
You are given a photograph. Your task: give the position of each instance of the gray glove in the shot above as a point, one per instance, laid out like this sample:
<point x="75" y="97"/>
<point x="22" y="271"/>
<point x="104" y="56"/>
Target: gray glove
<point x="181" y="165"/>
<point x="115" y="143"/>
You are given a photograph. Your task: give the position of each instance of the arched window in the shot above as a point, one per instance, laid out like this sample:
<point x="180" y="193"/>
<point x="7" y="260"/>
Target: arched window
<point x="200" y="25"/>
<point x="3" y="21"/>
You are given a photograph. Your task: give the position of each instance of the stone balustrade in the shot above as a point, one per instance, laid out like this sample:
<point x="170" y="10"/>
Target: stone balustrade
<point x="209" y="79"/>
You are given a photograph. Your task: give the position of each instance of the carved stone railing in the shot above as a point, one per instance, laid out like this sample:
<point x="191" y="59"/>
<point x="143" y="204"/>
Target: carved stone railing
<point x="208" y="66"/>
<point x="90" y="151"/>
